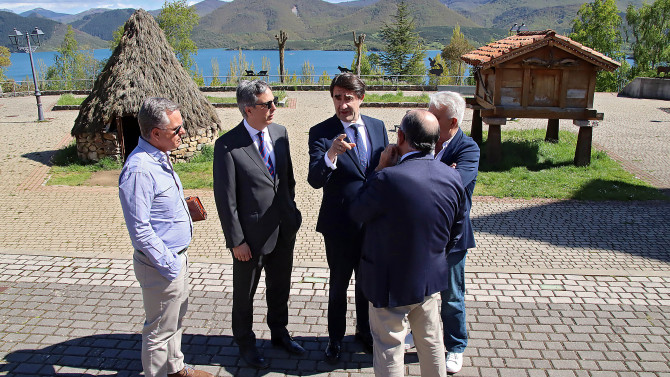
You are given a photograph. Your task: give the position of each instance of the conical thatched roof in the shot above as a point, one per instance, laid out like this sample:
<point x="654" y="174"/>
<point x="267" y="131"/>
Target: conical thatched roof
<point x="143" y="65"/>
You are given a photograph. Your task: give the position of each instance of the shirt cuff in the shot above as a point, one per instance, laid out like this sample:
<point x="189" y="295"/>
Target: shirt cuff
<point x="329" y="163"/>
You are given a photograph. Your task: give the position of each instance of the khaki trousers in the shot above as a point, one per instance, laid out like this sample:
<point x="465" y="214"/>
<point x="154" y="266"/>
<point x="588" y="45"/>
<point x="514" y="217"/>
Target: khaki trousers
<point x="389" y="327"/>
<point x="165" y="303"/>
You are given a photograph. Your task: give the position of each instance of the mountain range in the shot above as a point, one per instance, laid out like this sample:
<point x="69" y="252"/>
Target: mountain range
<point x="315" y="24"/>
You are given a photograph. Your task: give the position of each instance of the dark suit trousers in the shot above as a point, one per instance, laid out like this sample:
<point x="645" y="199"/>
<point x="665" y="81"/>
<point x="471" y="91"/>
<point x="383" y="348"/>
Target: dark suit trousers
<point x="246" y="275"/>
<point x="343" y="257"/>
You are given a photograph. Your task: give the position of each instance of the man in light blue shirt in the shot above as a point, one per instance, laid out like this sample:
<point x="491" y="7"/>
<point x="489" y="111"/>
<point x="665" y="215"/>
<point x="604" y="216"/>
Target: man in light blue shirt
<point x="160" y="228"/>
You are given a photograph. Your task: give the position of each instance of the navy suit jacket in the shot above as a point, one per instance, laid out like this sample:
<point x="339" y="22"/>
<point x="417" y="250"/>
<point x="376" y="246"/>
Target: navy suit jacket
<point x="465" y="153"/>
<point x="413" y="212"/>
<point x="341" y="185"/>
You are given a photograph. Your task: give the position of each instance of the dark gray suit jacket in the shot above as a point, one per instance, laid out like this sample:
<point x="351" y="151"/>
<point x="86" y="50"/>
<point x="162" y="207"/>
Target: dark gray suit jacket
<point x="253" y="207"/>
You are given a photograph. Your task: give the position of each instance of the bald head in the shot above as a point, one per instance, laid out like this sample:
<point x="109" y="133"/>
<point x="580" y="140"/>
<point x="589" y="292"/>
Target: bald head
<point x="421" y="130"/>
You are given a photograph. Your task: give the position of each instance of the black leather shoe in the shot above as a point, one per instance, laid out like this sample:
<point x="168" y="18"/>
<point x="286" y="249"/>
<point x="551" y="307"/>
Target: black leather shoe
<point x="288" y="344"/>
<point x="333" y="351"/>
<point x="253" y="358"/>
<point x="366" y="340"/>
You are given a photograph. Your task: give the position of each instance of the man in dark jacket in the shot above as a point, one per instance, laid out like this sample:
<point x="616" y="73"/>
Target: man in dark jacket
<point x="461" y="152"/>
<point x="413" y="213"/>
<point x="343" y="151"/>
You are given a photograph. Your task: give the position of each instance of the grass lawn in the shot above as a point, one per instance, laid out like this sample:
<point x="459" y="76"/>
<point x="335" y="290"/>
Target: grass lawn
<point x="69" y="99"/>
<point x="396" y="97"/>
<point x="68" y="170"/>
<point x="531" y="168"/>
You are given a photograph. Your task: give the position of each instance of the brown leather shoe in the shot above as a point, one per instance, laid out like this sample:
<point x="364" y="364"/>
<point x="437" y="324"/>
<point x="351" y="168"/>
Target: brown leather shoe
<point x="189" y="371"/>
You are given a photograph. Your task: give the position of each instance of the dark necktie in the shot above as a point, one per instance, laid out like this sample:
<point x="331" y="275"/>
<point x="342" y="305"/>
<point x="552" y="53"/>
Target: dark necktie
<point x="265" y="154"/>
<point x="361" y="151"/>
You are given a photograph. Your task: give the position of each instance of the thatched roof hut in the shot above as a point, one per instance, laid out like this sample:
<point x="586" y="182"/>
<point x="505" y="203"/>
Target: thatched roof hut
<point x="142" y="65"/>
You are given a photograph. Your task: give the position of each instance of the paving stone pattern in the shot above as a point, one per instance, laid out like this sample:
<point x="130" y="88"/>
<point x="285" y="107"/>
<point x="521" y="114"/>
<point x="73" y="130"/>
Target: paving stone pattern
<point x="555" y="288"/>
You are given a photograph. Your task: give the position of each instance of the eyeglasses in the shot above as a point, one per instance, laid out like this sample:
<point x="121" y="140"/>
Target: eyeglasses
<point x="268" y="104"/>
<point x="174" y="131"/>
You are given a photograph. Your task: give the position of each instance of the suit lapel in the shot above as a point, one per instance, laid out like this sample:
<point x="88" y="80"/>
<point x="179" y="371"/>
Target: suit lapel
<point x="251" y="150"/>
<point x="448" y="153"/>
<point x="278" y="147"/>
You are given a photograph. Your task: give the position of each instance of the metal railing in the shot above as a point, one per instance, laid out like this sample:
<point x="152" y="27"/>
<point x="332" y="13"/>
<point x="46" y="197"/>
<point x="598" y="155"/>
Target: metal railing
<point x="378" y="82"/>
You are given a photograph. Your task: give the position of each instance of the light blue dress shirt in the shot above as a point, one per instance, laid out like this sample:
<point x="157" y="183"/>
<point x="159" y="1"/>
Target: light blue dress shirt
<point x="157" y="216"/>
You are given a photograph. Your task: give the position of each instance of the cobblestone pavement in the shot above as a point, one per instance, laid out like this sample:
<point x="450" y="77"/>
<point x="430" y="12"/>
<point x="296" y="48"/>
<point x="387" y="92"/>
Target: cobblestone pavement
<point x="555" y="288"/>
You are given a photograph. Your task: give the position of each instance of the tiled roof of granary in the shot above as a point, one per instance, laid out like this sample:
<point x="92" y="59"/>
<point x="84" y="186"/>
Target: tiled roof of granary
<point x="508" y="48"/>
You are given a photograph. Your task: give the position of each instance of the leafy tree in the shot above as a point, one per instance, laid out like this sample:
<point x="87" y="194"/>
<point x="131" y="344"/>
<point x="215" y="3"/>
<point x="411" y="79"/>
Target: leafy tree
<point x="598" y="26"/>
<point x="452" y="54"/>
<point x="4" y="61"/>
<point x="71" y="67"/>
<point x="177" y="20"/>
<point x="650" y="26"/>
<point x="367" y="68"/>
<point x="215" y="74"/>
<point x="445" y="78"/>
<point x="116" y="37"/>
<point x="307" y="73"/>
<point x="405" y="51"/>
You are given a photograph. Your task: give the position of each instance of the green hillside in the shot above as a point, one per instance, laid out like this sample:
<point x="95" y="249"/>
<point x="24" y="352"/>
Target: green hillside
<point x="102" y="25"/>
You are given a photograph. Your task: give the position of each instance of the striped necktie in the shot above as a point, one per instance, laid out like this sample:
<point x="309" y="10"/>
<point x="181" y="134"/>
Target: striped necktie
<point x="361" y="151"/>
<point x="265" y="154"/>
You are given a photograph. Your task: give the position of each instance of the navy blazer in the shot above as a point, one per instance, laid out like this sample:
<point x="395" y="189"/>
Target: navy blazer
<point x="465" y="153"/>
<point x="413" y="212"/>
<point x="253" y="207"/>
<point x="341" y="185"/>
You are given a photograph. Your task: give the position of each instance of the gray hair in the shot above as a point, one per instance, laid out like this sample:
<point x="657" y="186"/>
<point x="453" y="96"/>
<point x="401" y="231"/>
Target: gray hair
<point x="153" y="114"/>
<point x="248" y="92"/>
<point x="451" y="103"/>
<point x="421" y="134"/>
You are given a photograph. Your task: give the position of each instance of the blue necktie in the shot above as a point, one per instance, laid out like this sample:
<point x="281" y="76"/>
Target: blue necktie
<point x="361" y="151"/>
<point x="265" y="154"/>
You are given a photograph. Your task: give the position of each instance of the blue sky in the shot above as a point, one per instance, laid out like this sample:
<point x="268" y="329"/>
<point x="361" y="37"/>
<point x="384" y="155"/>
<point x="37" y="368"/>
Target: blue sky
<point x="76" y="6"/>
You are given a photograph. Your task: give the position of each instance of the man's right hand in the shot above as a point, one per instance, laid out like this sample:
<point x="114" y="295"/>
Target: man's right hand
<point x="242" y="253"/>
<point x="338" y="147"/>
<point x="389" y="157"/>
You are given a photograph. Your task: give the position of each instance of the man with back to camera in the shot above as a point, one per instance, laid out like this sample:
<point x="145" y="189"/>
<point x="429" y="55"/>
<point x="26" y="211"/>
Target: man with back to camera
<point x="254" y="190"/>
<point x="413" y="213"/>
<point x="461" y="152"/>
<point x="160" y="228"/>
<point x="343" y="151"/>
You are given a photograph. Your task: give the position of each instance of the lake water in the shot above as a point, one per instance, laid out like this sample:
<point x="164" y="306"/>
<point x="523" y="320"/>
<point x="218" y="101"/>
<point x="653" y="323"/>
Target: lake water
<point x="293" y="61"/>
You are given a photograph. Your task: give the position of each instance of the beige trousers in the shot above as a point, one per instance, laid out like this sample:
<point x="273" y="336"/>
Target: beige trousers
<point x="389" y="327"/>
<point x="165" y="303"/>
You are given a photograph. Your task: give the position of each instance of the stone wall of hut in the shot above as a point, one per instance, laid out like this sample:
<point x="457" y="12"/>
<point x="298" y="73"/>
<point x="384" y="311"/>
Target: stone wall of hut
<point x="94" y="146"/>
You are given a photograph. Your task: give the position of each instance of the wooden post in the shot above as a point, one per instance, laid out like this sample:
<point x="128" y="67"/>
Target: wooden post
<point x="552" y="131"/>
<point x="359" y="48"/>
<point x="476" y="129"/>
<point x="494" y="140"/>
<point x="584" y="141"/>
<point x="281" y="40"/>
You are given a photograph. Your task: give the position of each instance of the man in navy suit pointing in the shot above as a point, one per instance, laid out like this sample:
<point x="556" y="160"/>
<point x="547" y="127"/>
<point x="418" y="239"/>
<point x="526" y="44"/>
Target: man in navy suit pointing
<point x="413" y="214"/>
<point x="343" y="150"/>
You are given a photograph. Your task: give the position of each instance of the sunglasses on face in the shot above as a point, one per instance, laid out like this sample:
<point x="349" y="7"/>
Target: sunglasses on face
<point x="268" y="104"/>
<point x="174" y="131"/>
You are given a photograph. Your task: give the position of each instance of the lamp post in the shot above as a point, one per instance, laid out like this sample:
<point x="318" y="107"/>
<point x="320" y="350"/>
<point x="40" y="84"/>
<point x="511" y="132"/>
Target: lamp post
<point x="35" y="35"/>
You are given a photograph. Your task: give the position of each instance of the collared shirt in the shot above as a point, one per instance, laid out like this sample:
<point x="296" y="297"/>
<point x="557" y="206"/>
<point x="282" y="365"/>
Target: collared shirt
<point x="152" y="200"/>
<point x="444" y="147"/>
<point x="360" y="126"/>
<point x="407" y="155"/>
<point x="267" y="140"/>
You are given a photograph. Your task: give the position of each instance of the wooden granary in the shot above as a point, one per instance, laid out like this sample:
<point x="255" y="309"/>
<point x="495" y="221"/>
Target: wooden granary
<point x="536" y="74"/>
